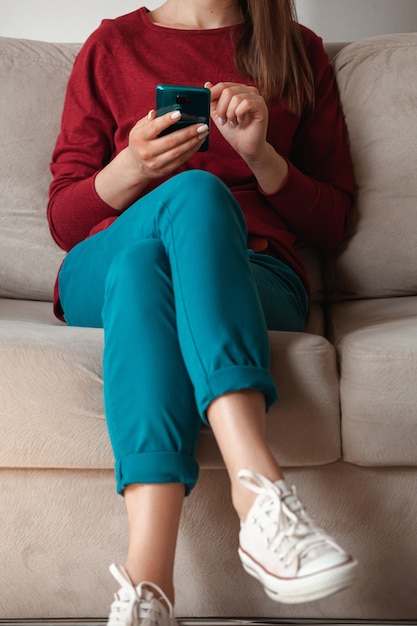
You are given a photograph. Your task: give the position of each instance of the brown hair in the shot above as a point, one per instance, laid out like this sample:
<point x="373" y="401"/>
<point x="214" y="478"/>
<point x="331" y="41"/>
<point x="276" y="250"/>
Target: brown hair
<point x="271" y="52"/>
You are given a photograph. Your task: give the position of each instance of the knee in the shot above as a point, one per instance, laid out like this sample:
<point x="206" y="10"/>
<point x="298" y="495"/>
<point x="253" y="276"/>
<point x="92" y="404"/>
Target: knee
<point x="202" y="193"/>
<point x="198" y="184"/>
<point x="199" y="179"/>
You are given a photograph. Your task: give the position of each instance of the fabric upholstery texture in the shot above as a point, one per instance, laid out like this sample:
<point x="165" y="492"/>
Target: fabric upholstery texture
<point x="378" y="88"/>
<point x="76" y="525"/>
<point x="62" y="377"/>
<point x="377" y="345"/>
<point x="33" y="79"/>
<point x="345" y="425"/>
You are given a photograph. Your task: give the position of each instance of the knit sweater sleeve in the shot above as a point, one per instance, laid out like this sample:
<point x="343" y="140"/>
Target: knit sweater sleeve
<point x="83" y="147"/>
<point x="317" y="197"/>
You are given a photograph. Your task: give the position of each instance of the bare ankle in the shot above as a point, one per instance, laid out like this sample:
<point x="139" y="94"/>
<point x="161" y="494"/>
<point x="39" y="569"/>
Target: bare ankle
<point x="243" y="498"/>
<point x="139" y="575"/>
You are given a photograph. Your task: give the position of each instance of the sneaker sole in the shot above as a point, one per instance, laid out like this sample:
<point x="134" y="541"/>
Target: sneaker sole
<point x="305" y="589"/>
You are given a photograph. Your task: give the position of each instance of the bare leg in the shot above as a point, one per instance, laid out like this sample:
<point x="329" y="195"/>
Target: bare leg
<point x="238" y="421"/>
<point x="154" y="513"/>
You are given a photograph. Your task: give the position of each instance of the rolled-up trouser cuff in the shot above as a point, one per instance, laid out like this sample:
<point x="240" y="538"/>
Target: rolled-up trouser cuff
<point x="236" y="378"/>
<point x="155" y="468"/>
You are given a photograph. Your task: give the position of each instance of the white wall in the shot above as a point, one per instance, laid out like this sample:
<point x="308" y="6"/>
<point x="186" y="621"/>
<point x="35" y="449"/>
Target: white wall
<point x="73" y="20"/>
<point x="348" y="20"/>
<point x="60" y="20"/>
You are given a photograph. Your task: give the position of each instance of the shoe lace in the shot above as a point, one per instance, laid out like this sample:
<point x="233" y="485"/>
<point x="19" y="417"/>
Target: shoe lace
<point x="288" y="529"/>
<point x="133" y="605"/>
<point x="123" y="609"/>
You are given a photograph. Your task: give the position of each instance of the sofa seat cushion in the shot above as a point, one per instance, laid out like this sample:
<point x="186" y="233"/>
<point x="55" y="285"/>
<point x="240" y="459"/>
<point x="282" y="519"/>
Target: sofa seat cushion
<point x="52" y="405"/>
<point x="376" y="342"/>
<point x="50" y="390"/>
<point x="304" y="425"/>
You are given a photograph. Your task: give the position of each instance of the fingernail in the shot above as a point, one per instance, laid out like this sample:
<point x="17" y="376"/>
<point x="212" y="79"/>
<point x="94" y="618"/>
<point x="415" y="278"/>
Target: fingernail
<point x="150" y="114"/>
<point x="176" y="115"/>
<point x="202" y="129"/>
<point x="221" y="121"/>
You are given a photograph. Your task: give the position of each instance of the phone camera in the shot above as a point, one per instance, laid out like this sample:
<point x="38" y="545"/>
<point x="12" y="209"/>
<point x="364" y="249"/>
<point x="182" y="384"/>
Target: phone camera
<point x="181" y="99"/>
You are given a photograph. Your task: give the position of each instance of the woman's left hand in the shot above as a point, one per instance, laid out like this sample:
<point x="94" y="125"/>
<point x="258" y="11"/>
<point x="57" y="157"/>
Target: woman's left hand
<point x="241" y="115"/>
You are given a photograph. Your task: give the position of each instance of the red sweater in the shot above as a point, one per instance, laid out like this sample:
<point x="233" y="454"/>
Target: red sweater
<point x="112" y="85"/>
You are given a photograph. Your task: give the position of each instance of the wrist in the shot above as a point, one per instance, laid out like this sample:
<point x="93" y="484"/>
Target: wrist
<point x="129" y="169"/>
<point x="270" y="170"/>
<point x="120" y="183"/>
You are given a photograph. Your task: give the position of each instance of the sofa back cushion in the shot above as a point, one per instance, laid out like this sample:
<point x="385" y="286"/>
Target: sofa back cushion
<point x="378" y="87"/>
<point x="33" y="78"/>
<point x="377" y="79"/>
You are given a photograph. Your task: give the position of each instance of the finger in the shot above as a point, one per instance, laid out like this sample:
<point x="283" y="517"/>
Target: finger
<point x="163" y="122"/>
<point x="227" y="102"/>
<point x="213" y="101"/>
<point x="246" y="108"/>
<point x="182" y="141"/>
<point x="219" y="88"/>
<point x="153" y="125"/>
<point x="216" y="93"/>
<point x="170" y="159"/>
<point x="228" y="105"/>
<point x="174" y="144"/>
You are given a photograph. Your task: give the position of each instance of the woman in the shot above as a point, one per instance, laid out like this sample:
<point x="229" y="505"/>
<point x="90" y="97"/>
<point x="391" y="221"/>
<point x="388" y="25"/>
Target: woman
<point x="187" y="258"/>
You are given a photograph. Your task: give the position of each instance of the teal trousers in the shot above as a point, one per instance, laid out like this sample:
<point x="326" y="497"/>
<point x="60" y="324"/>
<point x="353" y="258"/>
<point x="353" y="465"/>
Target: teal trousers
<point x="185" y="309"/>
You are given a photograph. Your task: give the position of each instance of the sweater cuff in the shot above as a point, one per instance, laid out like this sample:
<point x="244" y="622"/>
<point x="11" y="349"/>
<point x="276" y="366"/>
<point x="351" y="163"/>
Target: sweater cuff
<point x="101" y="205"/>
<point x="283" y="184"/>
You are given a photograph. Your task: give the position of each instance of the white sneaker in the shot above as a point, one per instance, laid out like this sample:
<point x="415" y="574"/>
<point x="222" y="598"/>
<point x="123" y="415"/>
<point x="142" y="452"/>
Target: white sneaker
<point x="280" y="546"/>
<point x="138" y="606"/>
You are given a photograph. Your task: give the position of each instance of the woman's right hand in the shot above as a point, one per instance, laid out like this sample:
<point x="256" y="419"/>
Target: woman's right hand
<point x="147" y="157"/>
<point x="156" y="156"/>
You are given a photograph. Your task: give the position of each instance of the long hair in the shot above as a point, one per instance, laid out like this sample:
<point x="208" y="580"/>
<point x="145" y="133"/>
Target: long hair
<point x="270" y="51"/>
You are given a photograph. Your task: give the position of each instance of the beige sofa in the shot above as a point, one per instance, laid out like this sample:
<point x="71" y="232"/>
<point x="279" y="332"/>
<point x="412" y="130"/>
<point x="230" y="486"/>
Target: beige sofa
<point x="345" y="427"/>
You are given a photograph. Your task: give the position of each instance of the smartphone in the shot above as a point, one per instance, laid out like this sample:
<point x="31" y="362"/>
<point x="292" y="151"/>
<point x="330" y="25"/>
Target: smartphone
<point x="192" y="102"/>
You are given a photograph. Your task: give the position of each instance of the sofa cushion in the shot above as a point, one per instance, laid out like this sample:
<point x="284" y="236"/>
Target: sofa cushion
<point x="376" y="342"/>
<point x="51" y="391"/>
<point x="52" y="404"/>
<point x="378" y="87"/>
<point x="33" y="79"/>
<point x="304" y="425"/>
